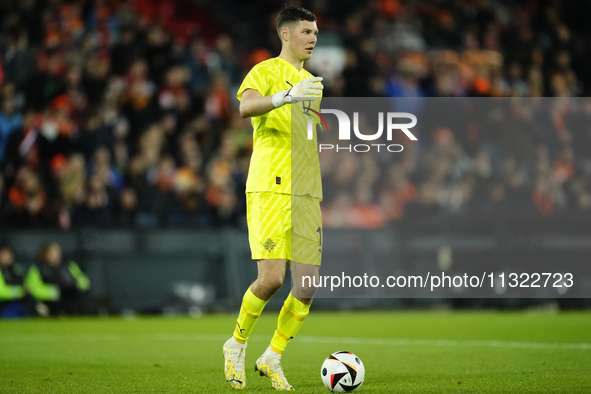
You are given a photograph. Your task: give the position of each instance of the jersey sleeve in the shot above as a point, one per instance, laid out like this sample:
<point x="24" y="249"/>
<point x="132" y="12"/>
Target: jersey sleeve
<point x="260" y="78"/>
<point x="40" y="290"/>
<point x="10" y="292"/>
<point x="82" y="281"/>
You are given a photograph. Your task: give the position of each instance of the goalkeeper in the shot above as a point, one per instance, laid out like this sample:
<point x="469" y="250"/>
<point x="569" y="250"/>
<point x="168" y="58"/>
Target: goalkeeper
<point x="283" y="194"/>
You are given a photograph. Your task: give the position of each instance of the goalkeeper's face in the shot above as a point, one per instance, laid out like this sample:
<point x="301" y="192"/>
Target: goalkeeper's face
<point x="302" y="39"/>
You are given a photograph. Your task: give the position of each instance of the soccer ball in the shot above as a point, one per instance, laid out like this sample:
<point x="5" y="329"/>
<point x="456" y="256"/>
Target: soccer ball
<point x="342" y="372"/>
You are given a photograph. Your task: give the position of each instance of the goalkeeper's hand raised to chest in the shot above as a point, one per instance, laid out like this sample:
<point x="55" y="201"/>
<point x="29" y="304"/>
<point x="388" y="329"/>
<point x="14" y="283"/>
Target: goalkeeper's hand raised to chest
<point x="309" y="89"/>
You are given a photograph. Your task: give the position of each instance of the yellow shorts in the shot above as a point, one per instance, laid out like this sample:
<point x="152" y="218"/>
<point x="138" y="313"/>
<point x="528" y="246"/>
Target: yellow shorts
<point x="281" y="226"/>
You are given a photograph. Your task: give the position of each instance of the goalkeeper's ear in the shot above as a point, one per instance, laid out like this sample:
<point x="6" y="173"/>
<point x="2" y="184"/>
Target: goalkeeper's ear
<point x="283" y="34"/>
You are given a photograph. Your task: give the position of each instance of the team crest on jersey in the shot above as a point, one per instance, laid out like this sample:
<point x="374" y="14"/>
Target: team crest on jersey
<point x="269" y="244"/>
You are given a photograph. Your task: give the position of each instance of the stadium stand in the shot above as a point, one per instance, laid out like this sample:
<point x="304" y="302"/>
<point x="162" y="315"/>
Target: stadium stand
<point x="122" y="113"/>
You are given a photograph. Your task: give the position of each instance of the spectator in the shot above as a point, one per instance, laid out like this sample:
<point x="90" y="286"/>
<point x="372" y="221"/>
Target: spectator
<point x="96" y="77"/>
<point x="336" y="215"/>
<point x="365" y="213"/>
<point x="63" y="288"/>
<point x="584" y="202"/>
<point x="158" y="50"/>
<point x="13" y="299"/>
<point x="95" y="134"/>
<point x="426" y="205"/>
<point x="128" y="208"/>
<point x="495" y="200"/>
<point x="398" y="193"/>
<point x="125" y="51"/>
<point x="10" y="122"/>
<point x="16" y="60"/>
<point x="27" y="199"/>
<point x="3" y="199"/>
<point x="97" y="207"/>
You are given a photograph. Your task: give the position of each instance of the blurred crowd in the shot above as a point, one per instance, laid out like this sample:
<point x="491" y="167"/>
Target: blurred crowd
<point x="503" y="156"/>
<point x="123" y="112"/>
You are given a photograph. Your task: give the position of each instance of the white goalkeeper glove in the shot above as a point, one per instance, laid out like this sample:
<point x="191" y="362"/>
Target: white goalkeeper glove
<point x="305" y="90"/>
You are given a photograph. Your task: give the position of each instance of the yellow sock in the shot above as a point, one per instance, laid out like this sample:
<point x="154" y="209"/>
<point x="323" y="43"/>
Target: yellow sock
<point x="250" y="310"/>
<point x="290" y="320"/>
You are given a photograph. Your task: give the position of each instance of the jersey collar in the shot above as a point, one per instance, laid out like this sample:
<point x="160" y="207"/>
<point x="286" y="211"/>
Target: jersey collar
<point x="289" y="64"/>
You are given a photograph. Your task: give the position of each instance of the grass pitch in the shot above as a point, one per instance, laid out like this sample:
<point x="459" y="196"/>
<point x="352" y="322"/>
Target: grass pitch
<point x="403" y="352"/>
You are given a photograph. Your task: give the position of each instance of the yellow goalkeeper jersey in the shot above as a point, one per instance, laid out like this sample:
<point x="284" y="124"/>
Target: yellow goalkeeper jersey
<point x="282" y="161"/>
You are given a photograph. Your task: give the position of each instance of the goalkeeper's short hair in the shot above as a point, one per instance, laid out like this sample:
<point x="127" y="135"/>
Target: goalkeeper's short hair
<point x="293" y="15"/>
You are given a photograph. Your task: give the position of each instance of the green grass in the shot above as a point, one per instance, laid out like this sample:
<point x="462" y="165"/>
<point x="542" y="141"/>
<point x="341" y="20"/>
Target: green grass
<point x="403" y="352"/>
